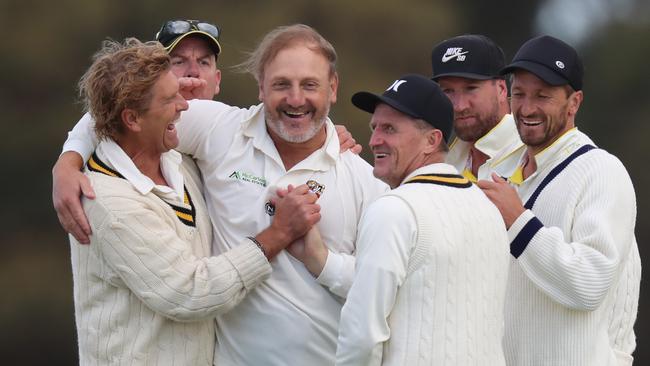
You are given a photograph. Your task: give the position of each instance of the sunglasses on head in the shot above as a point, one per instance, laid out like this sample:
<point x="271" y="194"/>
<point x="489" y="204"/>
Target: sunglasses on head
<point x="175" y="28"/>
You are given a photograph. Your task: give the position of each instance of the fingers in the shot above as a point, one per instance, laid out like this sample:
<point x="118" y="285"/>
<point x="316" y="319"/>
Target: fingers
<point x="75" y="223"/>
<point x="496" y="178"/>
<point x="356" y="149"/>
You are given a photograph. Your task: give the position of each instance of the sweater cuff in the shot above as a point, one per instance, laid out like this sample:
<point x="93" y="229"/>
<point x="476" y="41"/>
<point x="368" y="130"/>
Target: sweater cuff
<point x="331" y="271"/>
<point x="250" y="263"/>
<point x="522" y="231"/>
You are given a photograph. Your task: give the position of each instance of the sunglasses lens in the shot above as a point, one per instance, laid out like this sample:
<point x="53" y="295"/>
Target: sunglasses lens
<point x="171" y="30"/>
<point x="209" y="29"/>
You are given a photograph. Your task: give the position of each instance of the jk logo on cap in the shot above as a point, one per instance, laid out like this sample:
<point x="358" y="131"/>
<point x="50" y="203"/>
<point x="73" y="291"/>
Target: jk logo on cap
<point x="395" y="85"/>
<point x="454" y="53"/>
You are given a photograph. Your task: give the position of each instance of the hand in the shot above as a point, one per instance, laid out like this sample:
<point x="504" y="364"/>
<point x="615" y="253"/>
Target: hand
<point x="296" y="211"/>
<point x="346" y="140"/>
<point x="192" y="88"/>
<point x="504" y="197"/>
<point x="311" y="251"/>
<point x="68" y="184"/>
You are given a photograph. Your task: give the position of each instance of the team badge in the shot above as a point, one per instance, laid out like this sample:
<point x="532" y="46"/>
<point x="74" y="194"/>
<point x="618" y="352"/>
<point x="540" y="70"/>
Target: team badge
<point x="314" y="187"/>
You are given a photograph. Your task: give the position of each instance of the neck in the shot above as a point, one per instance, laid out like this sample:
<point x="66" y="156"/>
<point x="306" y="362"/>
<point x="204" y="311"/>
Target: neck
<point x="530" y="165"/>
<point x="478" y="159"/>
<point x="147" y="161"/>
<point x="292" y="153"/>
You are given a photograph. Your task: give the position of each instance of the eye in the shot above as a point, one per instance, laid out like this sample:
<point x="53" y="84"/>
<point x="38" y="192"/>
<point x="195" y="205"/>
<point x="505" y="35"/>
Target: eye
<point x="177" y="61"/>
<point x="311" y="85"/>
<point x="389" y="129"/>
<point x="280" y="84"/>
<point x="204" y="62"/>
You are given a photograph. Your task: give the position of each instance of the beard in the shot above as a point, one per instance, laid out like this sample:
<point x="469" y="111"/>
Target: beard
<point x="481" y="126"/>
<point x="555" y="126"/>
<point x="288" y="130"/>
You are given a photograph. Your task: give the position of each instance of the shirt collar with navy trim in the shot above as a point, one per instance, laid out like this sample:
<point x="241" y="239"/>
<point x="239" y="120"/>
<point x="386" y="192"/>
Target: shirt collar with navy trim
<point x="112" y="155"/>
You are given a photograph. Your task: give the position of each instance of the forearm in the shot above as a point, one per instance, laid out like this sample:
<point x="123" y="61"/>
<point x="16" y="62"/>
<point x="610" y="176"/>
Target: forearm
<point x="159" y="267"/>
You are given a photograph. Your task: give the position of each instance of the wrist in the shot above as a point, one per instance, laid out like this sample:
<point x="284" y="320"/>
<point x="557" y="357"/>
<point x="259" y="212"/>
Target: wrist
<point x="316" y="262"/>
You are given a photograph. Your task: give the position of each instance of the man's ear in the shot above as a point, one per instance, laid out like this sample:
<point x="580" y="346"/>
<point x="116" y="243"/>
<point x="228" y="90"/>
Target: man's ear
<point x="434" y="140"/>
<point x="334" y="86"/>
<point x="130" y="119"/>
<point x="575" y="100"/>
<point x="217" y="80"/>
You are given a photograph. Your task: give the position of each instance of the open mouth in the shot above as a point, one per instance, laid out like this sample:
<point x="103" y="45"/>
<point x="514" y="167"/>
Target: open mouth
<point x="532" y="123"/>
<point x="295" y="114"/>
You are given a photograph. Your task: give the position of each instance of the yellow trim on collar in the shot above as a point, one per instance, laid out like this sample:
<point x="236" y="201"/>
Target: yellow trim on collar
<point x="451" y="180"/>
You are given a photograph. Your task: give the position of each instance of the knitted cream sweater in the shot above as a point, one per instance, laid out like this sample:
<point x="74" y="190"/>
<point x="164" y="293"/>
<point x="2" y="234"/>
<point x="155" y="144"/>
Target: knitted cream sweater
<point x="574" y="286"/>
<point x="145" y="289"/>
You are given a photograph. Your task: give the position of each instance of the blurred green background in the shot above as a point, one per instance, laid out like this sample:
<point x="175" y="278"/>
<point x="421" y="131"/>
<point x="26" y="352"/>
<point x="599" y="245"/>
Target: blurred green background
<point x="46" y="46"/>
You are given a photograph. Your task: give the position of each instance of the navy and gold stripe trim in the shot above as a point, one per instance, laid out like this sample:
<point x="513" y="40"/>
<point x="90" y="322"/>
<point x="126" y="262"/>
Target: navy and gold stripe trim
<point x="187" y="216"/>
<point x="96" y="165"/>
<point x="449" y="180"/>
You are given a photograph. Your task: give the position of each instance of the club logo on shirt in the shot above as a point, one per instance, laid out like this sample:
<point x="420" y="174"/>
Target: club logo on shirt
<point x="314" y="187"/>
<point x="248" y="177"/>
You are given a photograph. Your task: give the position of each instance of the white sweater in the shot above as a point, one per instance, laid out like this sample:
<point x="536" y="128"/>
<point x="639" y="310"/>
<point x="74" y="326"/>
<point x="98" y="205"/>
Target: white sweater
<point x="146" y="291"/>
<point x="430" y="279"/>
<point x="573" y="291"/>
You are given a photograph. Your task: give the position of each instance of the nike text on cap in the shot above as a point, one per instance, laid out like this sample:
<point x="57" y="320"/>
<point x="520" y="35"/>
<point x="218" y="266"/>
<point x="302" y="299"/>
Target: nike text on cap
<point x="415" y="96"/>
<point x="471" y="56"/>
<point x="551" y="60"/>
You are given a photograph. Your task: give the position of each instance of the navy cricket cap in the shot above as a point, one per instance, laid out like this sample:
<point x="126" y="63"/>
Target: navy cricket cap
<point x="551" y="60"/>
<point x="415" y="96"/>
<point x="471" y="56"/>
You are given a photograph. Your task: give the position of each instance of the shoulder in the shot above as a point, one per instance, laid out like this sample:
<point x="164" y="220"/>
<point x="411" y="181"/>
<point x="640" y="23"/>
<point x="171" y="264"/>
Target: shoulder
<point x="389" y="209"/>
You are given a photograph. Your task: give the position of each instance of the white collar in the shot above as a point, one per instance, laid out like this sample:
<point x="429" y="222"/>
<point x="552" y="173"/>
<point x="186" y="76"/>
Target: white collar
<point x="112" y="154"/>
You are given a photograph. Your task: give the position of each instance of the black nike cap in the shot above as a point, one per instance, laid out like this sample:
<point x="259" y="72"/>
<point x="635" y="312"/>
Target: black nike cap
<point x="415" y="96"/>
<point x="472" y="56"/>
<point x="551" y="60"/>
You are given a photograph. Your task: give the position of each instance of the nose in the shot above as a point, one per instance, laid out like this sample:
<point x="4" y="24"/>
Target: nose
<point x="526" y="107"/>
<point x="459" y="101"/>
<point x="296" y="97"/>
<point x="192" y="69"/>
<point x="375" y="139"/>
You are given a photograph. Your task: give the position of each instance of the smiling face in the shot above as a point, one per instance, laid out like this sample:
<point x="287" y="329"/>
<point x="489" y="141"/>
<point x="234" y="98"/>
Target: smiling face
<point x="157" y="130"/>
<point x="297" y="89"/>
<point x="543" y="112"/>
<point x="476" y="104"/>
<point x="398" y="145"/>
<point x="193" y="57"/>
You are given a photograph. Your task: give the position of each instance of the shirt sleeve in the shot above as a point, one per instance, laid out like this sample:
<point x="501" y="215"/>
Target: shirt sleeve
<point x="577" y="268"/>
<point x="82" y="139"/>
<point x="338" y="272"/>
<point x="387" y="235"/>
<point x="159" y="267"/>
<point x="206" y="129"/>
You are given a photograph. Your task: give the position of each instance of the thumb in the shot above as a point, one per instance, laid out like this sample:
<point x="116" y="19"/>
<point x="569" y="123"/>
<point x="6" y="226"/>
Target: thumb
<point x="86" y="188"/>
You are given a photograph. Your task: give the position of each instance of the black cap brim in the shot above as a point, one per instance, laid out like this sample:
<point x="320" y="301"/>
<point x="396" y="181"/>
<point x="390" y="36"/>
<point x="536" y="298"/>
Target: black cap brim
<point x="541" y="71"/>
<point x="368" y="102"/>
<point x="466" y="75"/>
